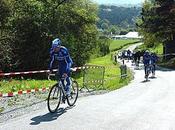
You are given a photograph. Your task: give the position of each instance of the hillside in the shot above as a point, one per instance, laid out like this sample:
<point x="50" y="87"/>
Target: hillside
<point x="120" y="17"/>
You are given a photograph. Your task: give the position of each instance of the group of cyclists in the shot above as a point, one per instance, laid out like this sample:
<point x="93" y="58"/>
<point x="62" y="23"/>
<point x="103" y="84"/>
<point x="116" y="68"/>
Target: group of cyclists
<point x="149" y="60"/>
<point x="61" y="54"/>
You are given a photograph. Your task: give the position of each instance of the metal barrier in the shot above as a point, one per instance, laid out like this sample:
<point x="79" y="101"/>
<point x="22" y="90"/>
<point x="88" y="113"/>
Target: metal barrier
<point x="123" y="67"/>
<point x="93" y="76"/>
<point x="123" y="70"/>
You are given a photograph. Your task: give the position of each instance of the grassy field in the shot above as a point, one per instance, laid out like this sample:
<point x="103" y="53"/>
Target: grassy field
<point x="157" y="49"/>
<point x="119" y="44"/>
<point x="14" y="85"/>
<point x="112" y="74"/>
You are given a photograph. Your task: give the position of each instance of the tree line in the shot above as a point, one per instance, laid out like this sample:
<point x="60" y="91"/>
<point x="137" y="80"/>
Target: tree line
<point x="117" y="19"/>
<point x="27" y="28"/>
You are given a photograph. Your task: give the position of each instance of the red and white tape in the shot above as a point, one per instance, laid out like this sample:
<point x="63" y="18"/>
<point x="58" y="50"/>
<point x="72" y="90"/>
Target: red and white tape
<point x="32" y="72"/>
<point x="23" y="73"/>
<point x="11" y="94"/>
<point x="42" y="71"/>
<point x="94" y="81"/>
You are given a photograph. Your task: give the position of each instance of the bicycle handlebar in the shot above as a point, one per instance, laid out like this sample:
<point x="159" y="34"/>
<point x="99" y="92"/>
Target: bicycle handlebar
<point x="71" y="69"/>
<point x="49" y="75"/>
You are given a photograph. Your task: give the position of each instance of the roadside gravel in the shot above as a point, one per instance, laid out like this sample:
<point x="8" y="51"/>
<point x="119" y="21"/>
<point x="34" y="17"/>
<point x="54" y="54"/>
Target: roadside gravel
<point x="11" y="107"/>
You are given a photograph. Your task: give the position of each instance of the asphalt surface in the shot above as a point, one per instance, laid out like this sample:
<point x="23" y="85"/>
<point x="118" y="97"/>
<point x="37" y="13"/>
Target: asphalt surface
<point x="139" y="106"/>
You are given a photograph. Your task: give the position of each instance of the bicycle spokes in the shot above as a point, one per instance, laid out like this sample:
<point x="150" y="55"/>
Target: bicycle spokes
<point x="54" y="98"/>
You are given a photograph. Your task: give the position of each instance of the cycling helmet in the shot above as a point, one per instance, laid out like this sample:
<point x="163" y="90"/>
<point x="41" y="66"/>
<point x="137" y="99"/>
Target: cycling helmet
<point x="147" y="51"/>
<point x="56" y="43"/>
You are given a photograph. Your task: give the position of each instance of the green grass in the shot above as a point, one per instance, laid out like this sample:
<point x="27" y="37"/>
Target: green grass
<point x="16" y="85"/>
<point x="157" y="49"/>
<point x="112" y="74"/>
<point x="119" y="44"/>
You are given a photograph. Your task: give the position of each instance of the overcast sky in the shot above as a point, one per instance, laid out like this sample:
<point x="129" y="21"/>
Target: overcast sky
<point x="118" y="2"/>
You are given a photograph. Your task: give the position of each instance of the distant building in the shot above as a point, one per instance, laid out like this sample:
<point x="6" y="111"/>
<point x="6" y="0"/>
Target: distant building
<point x="129" y="35"/>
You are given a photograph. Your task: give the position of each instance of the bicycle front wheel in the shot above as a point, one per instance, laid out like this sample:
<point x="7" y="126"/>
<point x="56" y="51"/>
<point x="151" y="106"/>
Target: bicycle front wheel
<point x="54" y="98"/>
<point x="74" y="94"/>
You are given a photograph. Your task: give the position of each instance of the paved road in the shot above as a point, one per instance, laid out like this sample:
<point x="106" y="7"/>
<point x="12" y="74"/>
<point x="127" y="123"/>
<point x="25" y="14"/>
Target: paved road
<point x="138" y="106"/>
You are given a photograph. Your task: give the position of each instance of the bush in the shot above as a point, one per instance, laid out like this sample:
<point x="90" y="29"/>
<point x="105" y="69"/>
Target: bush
<point x="103" y="44"/>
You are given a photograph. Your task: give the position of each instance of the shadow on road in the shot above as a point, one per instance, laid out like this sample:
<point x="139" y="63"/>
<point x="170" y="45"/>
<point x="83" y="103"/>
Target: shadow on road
<point x="49" y="116"/>
<point x="152" y="77"/>
<point x="144" y="81"/>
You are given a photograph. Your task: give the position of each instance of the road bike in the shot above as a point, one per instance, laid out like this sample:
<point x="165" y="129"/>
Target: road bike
<point x="149" y="69"/>
<point x="57" y="94"/>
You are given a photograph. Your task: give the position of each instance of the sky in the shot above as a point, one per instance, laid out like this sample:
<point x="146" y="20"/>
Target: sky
<point x="119" y="2"/>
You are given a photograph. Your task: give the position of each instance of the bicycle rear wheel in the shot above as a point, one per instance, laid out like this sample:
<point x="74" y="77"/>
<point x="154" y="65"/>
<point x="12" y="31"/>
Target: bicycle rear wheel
<point x="147" y="72"/>
<point x="54" y="98"/>
<point x="74" y="94"/>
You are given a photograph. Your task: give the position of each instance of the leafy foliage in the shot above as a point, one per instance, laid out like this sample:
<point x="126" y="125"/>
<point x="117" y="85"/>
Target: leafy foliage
<point x="35" y="23"/>
<point x="157" y="24"/>
<point x="6" y="53"/>
<point x="117" y="18"/>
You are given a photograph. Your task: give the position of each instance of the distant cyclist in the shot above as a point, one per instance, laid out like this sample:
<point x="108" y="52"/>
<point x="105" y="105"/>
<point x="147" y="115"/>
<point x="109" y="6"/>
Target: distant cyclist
<point x="61" y="54"/>
<point x="154" y="59"/>
<point x="128" y="54"/>
<point x="137" y="57"/>
<point x="146" y="60"/>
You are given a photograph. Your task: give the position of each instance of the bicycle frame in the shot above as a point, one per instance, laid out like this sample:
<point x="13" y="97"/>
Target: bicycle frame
<point x="60" y="85"/>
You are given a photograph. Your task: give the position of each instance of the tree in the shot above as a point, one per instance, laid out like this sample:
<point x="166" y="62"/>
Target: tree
<point x="158" y="20"/>
<point x="6" y="54"/>
<point x="35" y="23"/>
<point x="165" y="24"/>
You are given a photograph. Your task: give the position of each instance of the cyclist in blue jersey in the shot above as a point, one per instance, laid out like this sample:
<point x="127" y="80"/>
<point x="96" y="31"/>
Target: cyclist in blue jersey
<point x="146" y="60"/>
<point x="61" y="54"/>
<point x="154" y="59"/>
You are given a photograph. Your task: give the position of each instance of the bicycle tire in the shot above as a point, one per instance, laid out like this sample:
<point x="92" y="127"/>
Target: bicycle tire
<point x="71" y="100"/>
<point x="147" y="73"/>
<point x="55" y="104"/>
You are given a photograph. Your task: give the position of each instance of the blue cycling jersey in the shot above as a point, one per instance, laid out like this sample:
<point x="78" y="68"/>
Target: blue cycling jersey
<point x="64" y="60"/>
<point x="154" y="59"/>
<point x="146" y="59"/>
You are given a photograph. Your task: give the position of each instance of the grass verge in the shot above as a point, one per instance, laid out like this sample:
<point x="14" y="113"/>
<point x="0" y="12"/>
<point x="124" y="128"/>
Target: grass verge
<point x="119" y="44"/>
<point x="112" y="74"/>
<point x="14" y="85"/>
